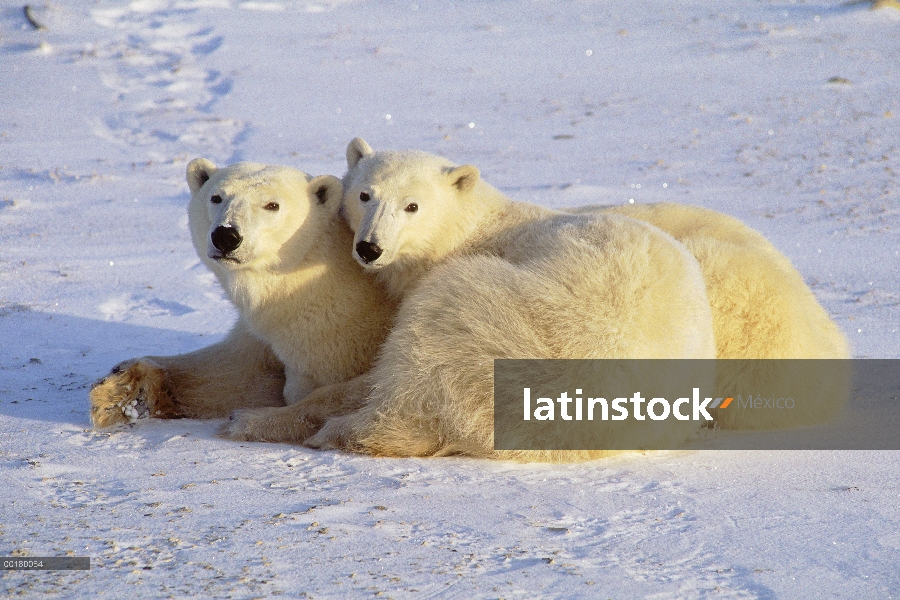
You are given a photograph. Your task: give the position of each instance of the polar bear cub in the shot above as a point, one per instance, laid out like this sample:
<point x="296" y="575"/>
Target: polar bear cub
<point x="483" y="277"/>
<point x="309" y="315"/>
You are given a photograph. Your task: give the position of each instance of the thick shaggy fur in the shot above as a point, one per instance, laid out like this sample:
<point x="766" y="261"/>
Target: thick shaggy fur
<point x="483" y="277"/>
<point x="762" y="309"/>
<point x="309" y="315"/>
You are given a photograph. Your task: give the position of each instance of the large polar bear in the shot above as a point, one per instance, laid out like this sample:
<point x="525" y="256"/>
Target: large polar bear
<point x="483" y="277"/>
<point x="453" y="248"/>
<point x="309" y="316"/>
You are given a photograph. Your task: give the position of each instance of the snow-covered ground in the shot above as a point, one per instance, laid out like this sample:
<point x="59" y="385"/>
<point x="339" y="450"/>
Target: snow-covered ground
<point x="785" y="113"/>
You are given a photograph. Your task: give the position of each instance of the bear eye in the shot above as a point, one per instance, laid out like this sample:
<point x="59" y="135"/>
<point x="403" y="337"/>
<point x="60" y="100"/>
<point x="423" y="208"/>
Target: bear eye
<point x="273" y="206"/>
<point x="217" y="199"/>
<point x="365" y="197"/>
<point x="411" y="207"/>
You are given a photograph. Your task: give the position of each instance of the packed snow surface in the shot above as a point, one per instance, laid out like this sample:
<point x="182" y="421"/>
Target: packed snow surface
<point x="784" y="113"/>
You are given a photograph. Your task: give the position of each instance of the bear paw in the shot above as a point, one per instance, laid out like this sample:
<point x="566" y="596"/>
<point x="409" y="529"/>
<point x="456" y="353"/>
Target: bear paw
<point x="134" y="389"/>
<point x="278" y="424"/>
<point x="334" y="435"/>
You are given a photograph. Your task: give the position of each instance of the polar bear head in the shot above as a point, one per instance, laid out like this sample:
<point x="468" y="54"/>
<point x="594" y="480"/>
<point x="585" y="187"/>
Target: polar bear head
<point x="250" y="216"/>
<point x="405" y="206"/>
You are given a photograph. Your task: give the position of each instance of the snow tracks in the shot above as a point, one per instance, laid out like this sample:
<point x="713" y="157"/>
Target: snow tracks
<point x="154" y="62"/>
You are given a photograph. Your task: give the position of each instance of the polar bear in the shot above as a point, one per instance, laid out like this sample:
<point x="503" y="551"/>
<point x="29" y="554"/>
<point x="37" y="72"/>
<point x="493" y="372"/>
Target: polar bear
<point x="309" y="316"/>
<point x="760" y="307"/>
<point x="480" y="277"/>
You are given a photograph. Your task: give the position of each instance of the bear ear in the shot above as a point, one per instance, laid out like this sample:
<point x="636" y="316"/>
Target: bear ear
<point x="357" y="150"/>
<point x="327" y="190"/>
<point x="199" y="171"/>
<point x="464" y="178"/>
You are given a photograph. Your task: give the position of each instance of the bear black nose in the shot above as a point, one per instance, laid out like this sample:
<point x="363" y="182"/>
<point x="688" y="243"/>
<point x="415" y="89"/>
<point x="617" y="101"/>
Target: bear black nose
<point x="368" y="251"/>
<point x="226" y="239"/>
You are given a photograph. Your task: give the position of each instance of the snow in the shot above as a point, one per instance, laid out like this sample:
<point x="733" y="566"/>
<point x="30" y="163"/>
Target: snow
<point x="783" y="113"/>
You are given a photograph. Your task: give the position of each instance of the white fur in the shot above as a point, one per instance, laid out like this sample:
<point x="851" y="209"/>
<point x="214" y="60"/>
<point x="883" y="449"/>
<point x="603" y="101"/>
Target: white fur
<point x="762" y="309"/>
